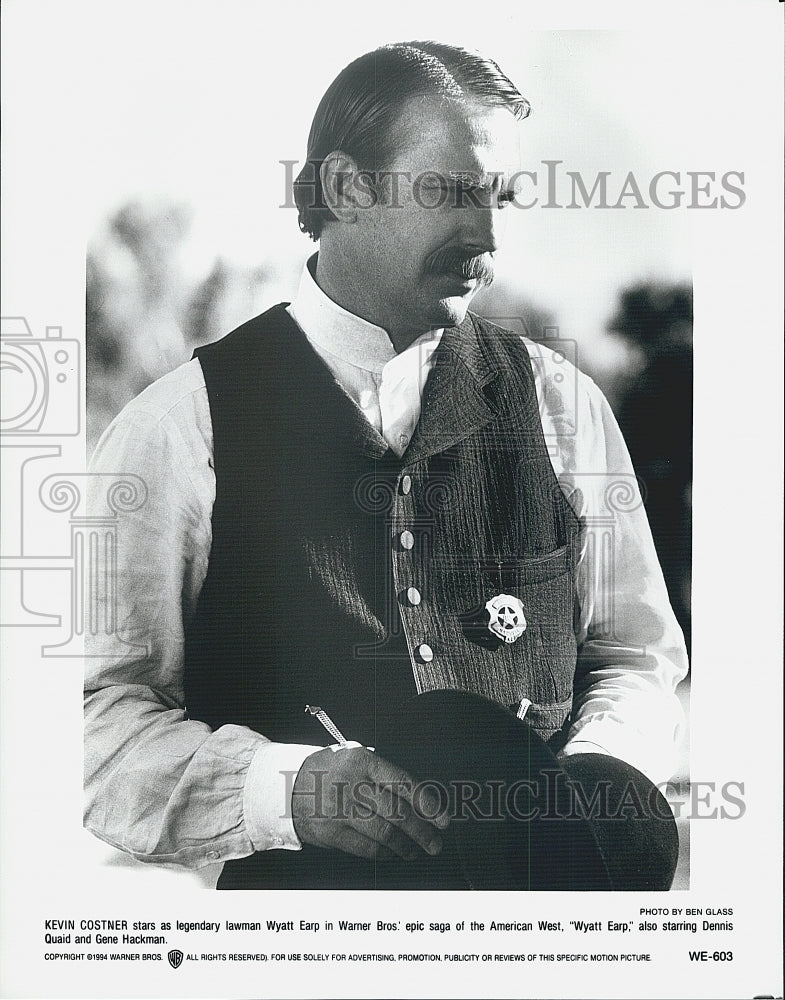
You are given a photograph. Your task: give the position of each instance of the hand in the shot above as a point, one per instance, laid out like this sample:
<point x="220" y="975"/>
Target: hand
<point x="355" y="801"/>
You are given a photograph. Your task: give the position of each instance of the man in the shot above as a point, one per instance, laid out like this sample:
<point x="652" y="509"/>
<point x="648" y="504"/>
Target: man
<point x="352" y="506"/>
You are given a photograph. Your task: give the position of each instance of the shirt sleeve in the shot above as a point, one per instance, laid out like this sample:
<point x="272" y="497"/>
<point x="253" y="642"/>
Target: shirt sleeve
<point x="158" y="785"/>
<point x="631" y="652"/>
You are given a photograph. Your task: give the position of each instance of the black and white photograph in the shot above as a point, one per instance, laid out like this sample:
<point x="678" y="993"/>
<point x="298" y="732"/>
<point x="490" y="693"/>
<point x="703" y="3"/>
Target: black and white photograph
<point x="379" y="466"/>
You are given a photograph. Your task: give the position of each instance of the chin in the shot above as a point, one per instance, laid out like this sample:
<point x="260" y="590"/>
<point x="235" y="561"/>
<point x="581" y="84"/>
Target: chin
<point x="452" y="311"/>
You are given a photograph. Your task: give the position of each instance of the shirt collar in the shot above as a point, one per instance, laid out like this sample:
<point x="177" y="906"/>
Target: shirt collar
<point x="343" y="334"/>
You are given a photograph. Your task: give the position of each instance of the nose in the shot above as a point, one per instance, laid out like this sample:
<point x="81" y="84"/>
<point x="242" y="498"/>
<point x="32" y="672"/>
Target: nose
<point x="482" y="226"/>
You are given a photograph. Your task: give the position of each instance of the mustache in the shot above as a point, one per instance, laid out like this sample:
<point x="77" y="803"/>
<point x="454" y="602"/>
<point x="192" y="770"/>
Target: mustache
<point x="463" y="262"/>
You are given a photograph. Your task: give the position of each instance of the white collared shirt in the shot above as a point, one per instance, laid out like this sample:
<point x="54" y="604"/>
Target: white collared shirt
<point x="148" y="797"/>
<point x="386" y="386"/>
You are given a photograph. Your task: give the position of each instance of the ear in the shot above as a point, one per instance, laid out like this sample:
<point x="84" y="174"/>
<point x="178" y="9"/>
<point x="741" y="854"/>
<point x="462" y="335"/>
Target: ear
<point x="339" y="175"/>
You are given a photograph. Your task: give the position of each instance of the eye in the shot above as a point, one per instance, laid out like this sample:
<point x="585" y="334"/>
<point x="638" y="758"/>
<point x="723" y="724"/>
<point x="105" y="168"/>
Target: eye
<point x="505" y="198"/>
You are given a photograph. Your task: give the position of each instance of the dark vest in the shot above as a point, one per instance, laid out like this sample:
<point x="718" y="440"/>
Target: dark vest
<point x="310" y="591"/>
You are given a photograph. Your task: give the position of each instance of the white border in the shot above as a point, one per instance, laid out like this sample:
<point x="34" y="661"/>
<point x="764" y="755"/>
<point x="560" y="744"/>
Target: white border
<point x="719" y="65"/>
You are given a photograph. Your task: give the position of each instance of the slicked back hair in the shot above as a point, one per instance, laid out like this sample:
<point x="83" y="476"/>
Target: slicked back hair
<point x="362" y="105"/>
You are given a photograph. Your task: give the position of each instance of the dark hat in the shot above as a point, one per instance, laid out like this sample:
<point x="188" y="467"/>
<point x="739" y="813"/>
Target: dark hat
<point x="632" y="822"/>
<point x="513" y="822"/>
<point x="520" y="818"/>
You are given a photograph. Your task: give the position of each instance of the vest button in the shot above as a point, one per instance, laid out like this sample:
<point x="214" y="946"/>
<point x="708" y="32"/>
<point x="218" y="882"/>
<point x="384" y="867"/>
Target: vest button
<point x="406" y="485"/>
<point x="407" y="540"/>
<point x="424" y="653"/>
<point x="413" y="596"/>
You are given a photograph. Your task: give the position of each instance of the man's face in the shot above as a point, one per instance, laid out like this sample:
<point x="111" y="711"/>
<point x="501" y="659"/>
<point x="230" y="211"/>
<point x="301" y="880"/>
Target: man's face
<point x="426" y="246"/>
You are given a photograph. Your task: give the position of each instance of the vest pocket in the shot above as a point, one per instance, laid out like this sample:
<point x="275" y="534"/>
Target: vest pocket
<point x="540" y="664"/>
<point x="518" y="570"/>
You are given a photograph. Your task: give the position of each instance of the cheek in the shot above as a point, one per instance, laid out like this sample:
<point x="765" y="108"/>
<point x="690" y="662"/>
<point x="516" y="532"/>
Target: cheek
<point x="406" y="236"/>
<point x="420" y="222"/>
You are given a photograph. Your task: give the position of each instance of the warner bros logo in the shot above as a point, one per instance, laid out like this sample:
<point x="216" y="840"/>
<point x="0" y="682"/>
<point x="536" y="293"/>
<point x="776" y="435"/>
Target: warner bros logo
<point x="175" y="957"/>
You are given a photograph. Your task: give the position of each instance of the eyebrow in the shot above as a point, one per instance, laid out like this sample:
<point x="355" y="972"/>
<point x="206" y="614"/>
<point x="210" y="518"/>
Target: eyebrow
<point x="473" y="179"/>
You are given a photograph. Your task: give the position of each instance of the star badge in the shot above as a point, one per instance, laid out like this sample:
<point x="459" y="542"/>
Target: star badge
<point x="506" y="618"/>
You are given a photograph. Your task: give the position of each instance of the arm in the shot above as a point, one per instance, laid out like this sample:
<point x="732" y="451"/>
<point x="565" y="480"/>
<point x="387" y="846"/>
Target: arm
<point x="158" y="785"/>
<point x="631" y="651"/>
<point x="161" y="786"/>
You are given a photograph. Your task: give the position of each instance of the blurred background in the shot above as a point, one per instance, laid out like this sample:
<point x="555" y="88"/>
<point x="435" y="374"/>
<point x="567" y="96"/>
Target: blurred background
<point x="192" y="230"/>
<point x="146" y="314"/>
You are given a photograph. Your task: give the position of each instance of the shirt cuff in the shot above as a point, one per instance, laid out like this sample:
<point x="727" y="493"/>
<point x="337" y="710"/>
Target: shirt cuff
<point x="267" y="796"/>
<point x="582" y="746"/>
<point x="653" y="754"/>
